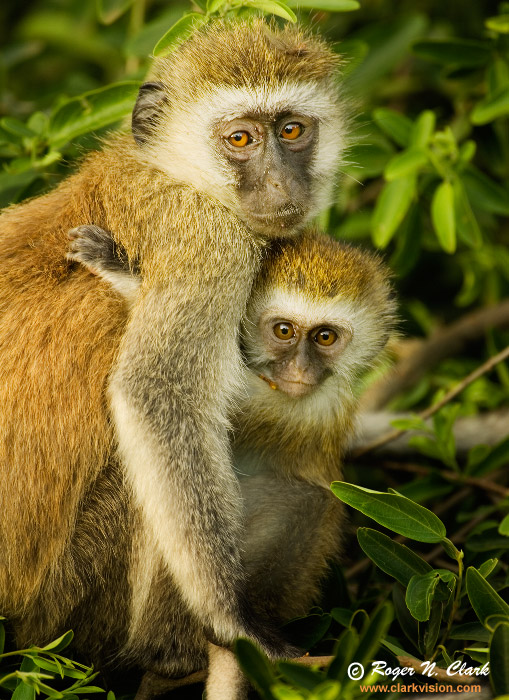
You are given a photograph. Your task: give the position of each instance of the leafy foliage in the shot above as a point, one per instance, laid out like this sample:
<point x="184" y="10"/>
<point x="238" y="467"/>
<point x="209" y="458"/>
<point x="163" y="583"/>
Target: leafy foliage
<point x="40" y="671"/>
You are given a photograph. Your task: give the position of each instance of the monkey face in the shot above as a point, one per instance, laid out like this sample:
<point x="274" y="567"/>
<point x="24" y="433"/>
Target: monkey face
<point x="271" y="158"/>
<point x="300" y="353"/>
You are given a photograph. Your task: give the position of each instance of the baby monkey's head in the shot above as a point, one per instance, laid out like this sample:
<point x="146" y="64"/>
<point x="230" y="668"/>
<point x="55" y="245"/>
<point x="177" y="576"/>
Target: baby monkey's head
<point x="319" y="309"/>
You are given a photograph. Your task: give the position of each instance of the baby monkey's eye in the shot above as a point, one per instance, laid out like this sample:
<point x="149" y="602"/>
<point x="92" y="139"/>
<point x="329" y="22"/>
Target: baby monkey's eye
<point x="325" y="337"/>
<point x="284" y="331"/>
<point x="292" y="131"/>
<point x="240" y="139"/>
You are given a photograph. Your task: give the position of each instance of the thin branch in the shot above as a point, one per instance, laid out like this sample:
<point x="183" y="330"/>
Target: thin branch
<point x="484" y="484"/>
<point x="153" y="685"/>
<point x="444" y="343"/>
<point x="457" y="538"/>
<point x="394" y="434"/>
<point x="492" y="426"/>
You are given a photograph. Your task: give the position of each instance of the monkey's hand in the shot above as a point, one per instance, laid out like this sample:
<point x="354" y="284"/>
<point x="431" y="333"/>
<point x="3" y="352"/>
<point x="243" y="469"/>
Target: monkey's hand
<point x="95" y="249"/>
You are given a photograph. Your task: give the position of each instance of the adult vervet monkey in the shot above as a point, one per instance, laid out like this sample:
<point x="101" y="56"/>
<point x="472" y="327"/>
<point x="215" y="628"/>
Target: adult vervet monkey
<point x="236" y="139"/>
<point x="319" y="314"/>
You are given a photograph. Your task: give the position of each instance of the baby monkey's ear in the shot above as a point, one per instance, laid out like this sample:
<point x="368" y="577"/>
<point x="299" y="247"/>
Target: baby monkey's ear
<point x="147" y="110"/>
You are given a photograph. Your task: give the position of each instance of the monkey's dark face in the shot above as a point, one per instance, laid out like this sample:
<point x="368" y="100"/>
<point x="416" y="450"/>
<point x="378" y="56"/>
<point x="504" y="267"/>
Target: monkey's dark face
<point x="298" y="354"/>
<point x="269" y="152"/>
<point x="271" y="158"/>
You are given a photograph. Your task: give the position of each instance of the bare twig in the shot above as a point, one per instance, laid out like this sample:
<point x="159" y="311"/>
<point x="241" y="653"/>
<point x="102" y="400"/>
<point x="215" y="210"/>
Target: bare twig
<point x="428" y="353"/>
<point x="153" y="685"/>
<point x="455" y="391"/>
<point x="484" y="484"/>
<point x="457" y="537"/>
<point x="490" y="428"/>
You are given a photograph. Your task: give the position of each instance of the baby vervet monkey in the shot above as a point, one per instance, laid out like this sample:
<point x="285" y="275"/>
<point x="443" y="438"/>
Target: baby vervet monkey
<point x="319" y="315"/>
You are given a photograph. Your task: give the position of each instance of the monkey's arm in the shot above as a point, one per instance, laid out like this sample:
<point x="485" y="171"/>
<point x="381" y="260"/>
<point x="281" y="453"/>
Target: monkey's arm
<point x="178" y="369"/>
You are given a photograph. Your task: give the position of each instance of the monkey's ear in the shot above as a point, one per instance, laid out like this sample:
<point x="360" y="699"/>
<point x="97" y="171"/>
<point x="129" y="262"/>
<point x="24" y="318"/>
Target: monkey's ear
<point x="146" y="110"/>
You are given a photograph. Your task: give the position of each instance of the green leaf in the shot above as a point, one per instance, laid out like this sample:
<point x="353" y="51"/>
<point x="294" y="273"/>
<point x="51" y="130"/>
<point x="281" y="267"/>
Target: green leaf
<point x="88" y="689"/>
<point x="395" y="125"/>
<point x="487" y="542"/>
<point x="255" y="666"/>
<point x="442" y="216"/>
<point x="343" y="652"/>
<point x="403" y="260"/>
<point x="16" y="127"/>
<point x="328" y="690"/>
<point x="423" y="128"/>
<point x="390" y="209"/>
<point x="307" y="631"/>
<point x="432" y="629"/>
<point x="484" y="193"/>
<point x="421" y="591"/>
<point x="60" y="643"/>
<point x="24" y="691"/>
<point x="342" y="615"/>
<point x="214" y="5"/>
<point x="497" y="457"/>
<point x="411" y="423"/>
<point x="498" y="74"/>
<point x="55" y="667"/>
<point x="38" y="122"/>
<point x="283" y="692"/>
<point x="454" y="52"/>
<point x="389" y="42"/>
<point x="499" y="24"/>
<point x="406" y="163"/>
<point x="179" y="32"/>
<point x="393" y="511"/>
<point x="408" y="624"/>
<point x="373" y="634"/>
<point x="90" y="111"/>
<point x="368" y="160"/>
<point x="2" y="637"/>
<point x="466" y="223"/>
<point x="467" y="152"/>
<point x="491" y="107"/>
<point x="471" y="631"/>
<point x="487" y="567"/>
<point x="503" y="528"/>
<point x="393" y="558"/>
<point x="326" y="5"/>
<point x="110" y="10"/>
<point x="499" y="655"/>
<point x="271" y="7"/>
<point x="300" y="676"/>
<point x="484" y="599"/>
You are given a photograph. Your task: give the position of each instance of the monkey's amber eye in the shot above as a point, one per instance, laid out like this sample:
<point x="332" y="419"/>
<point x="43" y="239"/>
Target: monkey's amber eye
<point x="290" y="132"/>
<point x="239" y="139"/>
<point x="325" y="337"/>
<point x="284" y="331"/>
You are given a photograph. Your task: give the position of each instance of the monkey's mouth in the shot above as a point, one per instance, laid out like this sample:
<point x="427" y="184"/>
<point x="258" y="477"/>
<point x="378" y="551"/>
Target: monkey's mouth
<point x="291" y="388"/>
<point x="282" y="218"/>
